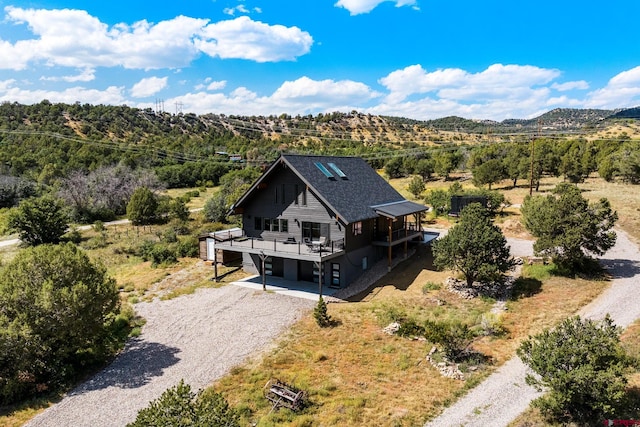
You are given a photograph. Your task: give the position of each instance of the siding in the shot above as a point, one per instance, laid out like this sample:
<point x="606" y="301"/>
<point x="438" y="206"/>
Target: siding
<point x="266" y="204"/>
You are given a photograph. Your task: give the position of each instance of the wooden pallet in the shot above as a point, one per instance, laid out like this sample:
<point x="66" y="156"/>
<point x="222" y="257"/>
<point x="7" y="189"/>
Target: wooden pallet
<point x="284" y="395"/>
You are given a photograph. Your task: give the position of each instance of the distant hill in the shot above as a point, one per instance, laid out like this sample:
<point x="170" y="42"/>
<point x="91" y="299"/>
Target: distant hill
<point x="45" y="141"/>
<point x="629" y="113"/>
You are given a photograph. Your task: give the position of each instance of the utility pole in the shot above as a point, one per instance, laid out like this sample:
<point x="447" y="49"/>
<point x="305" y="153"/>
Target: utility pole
<point x="533" y="144"/>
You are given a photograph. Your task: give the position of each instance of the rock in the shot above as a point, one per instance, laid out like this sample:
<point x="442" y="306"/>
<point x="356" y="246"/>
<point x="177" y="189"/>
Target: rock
<point x="392" y="328"/>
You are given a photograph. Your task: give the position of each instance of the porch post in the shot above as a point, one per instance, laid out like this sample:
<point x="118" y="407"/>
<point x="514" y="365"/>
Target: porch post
<point x="390" y="240"/>
<point x="318" y="264"/>
<point x="263" y="257"/>
<point x="215" y="261"/>
<point x="406" y="233"/>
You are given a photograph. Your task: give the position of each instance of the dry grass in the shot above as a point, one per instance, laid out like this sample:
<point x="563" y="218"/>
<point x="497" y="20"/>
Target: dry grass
<point x="195" y="202"/>
<point x="356" y="374"/>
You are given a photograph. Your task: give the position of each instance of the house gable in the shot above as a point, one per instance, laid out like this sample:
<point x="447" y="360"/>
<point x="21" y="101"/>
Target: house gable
<point x="346" y="186"/>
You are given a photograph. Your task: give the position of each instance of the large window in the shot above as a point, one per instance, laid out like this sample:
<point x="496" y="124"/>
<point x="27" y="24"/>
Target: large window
<point x="311" y="230"/>
<point x="271" y="224"/>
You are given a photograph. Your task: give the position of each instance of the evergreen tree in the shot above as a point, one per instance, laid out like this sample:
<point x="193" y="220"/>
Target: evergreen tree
<point x="474" y="246"/>
<point x="582" y="365"/>
<point x="142" y="208"/>
<point x="569" y="228"/>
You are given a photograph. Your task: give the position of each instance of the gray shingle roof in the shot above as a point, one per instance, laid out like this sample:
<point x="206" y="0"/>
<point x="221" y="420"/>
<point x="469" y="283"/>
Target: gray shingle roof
<point x="352" y="196"/>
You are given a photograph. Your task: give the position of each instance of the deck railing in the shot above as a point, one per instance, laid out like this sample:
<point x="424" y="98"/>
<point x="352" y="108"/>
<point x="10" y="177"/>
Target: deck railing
<point x="411" y="229"/>
<point x="285" y="246"/>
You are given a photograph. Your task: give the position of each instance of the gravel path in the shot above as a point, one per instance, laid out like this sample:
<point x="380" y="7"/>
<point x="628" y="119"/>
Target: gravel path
<point x="196" y="337"/>
<point x="504" y="395"/>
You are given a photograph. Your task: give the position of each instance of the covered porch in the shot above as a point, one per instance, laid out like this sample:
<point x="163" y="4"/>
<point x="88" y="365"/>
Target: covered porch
<point x="402" y="224"/>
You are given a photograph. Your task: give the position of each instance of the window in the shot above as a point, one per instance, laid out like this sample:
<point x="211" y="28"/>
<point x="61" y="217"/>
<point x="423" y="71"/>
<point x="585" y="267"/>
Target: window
<point x="311" y="230"/>
<point x="335" y="275"/>
<point x="270" y="224"/>
<point x="258" y="223"/>
<point x="356" y="228"/>
<point x="304" y="196"/>
<point x="296" y="192"/>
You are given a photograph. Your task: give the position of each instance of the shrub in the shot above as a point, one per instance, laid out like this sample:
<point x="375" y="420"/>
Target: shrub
<point x="454" y="337"/>
<point x="582" y="365"/>
<point x="57" y="309"/>
<point x="179" y="406"/>
<point x="410" y="329"/>
<point x="320" y="314"/>
<point x="431" y="286"/>
<point x="188" y="247"/>
<point x="162" y="255"/>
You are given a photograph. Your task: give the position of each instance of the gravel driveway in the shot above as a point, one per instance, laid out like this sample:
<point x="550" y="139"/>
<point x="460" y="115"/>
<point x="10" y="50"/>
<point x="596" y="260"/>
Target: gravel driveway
<point x="504" y="395"/>
<point x="196" y="337"/>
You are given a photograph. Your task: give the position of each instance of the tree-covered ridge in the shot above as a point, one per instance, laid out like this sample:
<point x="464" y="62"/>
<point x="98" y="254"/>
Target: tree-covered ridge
<point x="46" y="143"/>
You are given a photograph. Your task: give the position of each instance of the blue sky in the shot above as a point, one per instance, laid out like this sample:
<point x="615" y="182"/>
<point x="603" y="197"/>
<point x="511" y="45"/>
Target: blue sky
<point x="421" y="59"/>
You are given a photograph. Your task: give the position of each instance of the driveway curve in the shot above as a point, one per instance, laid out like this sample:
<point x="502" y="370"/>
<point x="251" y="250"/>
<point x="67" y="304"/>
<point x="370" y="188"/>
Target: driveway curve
<point x="197" y="338"/>
<point x="504" y="395"/>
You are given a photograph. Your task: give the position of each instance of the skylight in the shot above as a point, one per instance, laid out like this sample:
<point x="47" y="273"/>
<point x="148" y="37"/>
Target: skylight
<point x="337" y="170"/>
<point x="324" y="170"/>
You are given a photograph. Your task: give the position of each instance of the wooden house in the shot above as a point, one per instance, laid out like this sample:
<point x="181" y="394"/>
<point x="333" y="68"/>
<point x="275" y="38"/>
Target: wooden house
<point x="323" y="219"/>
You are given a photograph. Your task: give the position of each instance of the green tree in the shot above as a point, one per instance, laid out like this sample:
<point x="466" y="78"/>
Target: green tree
<point x="178" y="209"/>
<point x="446" y="162"/>
<point x="416" y="186"/>
<point x="40" y="220"/>
<point x="425" y="168"/>
<point x="57" y="310"/>
<point x="582" y="365"/>
<point x="179" y="406"/>
<point x="216" y="209"/>
<point x="517" y="162"/>
<point x="394" y="168"/>
<point x="489" y="172"/>
<point x="567" y="227"/>
<point x="142" y="208"/>
<point x="439" y="200"/>
<point x="474" y="246"/>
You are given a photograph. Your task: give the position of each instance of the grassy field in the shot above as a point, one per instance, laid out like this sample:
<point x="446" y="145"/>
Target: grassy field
<point x="356" y="374"/>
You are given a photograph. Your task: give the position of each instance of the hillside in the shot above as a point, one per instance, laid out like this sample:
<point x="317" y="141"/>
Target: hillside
<point x="45" y="141"/>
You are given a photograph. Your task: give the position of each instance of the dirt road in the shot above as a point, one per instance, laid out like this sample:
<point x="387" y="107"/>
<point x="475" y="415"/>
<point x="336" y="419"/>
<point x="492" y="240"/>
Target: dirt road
<point x="504" y="395"/>
<point x="196" y="337"/>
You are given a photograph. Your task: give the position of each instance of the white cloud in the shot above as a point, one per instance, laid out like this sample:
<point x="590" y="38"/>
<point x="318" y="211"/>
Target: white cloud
<point x="148" y="87"/>
<point x="86" y="75"/>
<point x="213" y="86"/>
<point x="113" y="95"/>
<point x="232" y="10"/>
<point x="243" y="38"/>
<point x="623" y="90"/>
<point x="302" y="96"/>
<point x="577" y="85"/>
<point x="73" y="38"/>
<point x="356" y="7"/>
<point x="305" y="90"/>
<point x="496" y="81"/>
